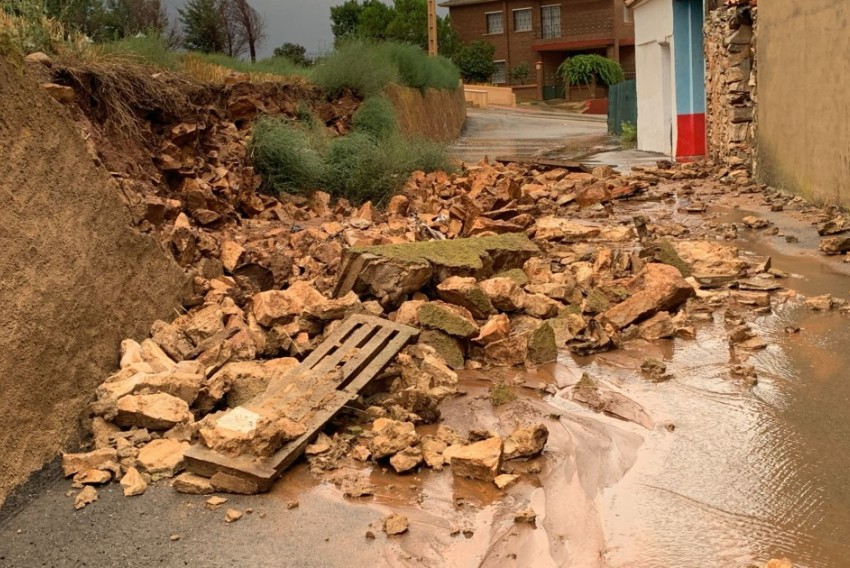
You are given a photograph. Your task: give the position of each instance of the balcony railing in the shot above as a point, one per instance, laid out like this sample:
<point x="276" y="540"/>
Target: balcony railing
<point x="588" y="27"/>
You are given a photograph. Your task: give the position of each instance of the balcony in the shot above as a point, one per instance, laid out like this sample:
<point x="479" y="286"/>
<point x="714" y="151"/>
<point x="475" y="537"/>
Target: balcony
<point x="585" y="28"/>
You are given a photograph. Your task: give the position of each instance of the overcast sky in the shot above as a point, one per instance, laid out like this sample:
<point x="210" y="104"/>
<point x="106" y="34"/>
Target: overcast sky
<point x="306" y="22"/>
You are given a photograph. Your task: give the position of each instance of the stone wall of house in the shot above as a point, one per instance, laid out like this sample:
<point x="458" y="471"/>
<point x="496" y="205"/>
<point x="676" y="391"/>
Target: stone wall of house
<point x="731" y="87"/>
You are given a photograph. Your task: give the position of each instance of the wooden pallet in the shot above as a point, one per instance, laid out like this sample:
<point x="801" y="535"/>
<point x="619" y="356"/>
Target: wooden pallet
<point x="312" y="393"/>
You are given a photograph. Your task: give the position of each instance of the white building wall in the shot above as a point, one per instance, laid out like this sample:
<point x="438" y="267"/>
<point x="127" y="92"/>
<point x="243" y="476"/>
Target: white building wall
<point x="655" y="75"/>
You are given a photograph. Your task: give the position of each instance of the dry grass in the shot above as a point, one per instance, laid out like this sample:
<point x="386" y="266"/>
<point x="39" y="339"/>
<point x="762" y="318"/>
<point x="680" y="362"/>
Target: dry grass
<point x="119" y="91"/>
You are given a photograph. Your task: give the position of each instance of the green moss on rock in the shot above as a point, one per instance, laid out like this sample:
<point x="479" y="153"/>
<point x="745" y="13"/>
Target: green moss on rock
<point x="435" y="316"/>
<point x="542" y="347"/>
<point x="597" y="302"/>
<point x="663" y="251"/>
<point x="448" y="347"/>
<point x="517" y="275"/>
<point x="458" y="253"/>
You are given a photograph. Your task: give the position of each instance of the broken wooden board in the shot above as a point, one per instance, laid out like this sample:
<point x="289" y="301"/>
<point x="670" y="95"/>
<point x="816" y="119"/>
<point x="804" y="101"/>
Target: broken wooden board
<point x="311" y="394"/>
<point x="544" y="163"/>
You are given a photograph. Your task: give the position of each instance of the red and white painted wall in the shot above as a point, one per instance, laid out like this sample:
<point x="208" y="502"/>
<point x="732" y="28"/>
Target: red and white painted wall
<point x="670" y="76"/>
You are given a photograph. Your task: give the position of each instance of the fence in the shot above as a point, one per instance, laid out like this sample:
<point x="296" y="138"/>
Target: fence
<point x="622" y="106"/>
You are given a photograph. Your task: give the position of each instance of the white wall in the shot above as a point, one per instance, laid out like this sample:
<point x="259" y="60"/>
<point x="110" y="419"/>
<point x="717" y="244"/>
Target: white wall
<point x="655" y="75"/>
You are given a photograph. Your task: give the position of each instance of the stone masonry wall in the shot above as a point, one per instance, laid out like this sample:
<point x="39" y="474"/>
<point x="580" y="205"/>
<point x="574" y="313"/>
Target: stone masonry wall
<point x="731" y="87"/>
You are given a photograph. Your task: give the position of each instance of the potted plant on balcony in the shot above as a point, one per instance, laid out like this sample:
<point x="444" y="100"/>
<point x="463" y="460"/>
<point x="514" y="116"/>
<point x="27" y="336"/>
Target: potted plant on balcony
<point x="590" y="70"/>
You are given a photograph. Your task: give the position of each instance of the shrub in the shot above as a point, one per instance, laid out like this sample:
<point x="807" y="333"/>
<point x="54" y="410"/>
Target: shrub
<point x="288" y="155"/>
<point x="270" y="66"/>
<point x="356" y="65"/>
<point x="628" y="135"/>
<point x="375" y="117"/>
<point x="583" y="69"/>
<point x="520" y="73"/>
<point x="475" y="61"/>
<point x="416" y="69"/>
<point x="360" y="169"/>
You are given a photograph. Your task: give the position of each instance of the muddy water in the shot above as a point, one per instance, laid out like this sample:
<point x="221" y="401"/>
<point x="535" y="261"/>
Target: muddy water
<point x="748" y="474"/>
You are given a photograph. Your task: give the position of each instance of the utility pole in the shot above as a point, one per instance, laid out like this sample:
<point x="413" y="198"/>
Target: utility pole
<point x="432" y="27"/>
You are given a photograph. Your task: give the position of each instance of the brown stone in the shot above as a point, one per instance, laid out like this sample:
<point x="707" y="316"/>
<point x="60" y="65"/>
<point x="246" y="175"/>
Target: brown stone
<point x="655" y="288"/>
<point x="480" y="460"/>
<point x="231" y="256"/>
<point x="432" y="452"/>
<point x="465" y="292"/>
<point x="152" y="411"/>
<point x="243" y="380"/>
<point x="527" y="515"/>
<point x="226" y="483"/>
<point x="497" y="328"/>
<point x="92" y="477"/>
<point x="396" y="524"/>
<point x="171" y="339"/>
<point x="133" y="483"/>
<point x="391" y="437"/>
<point x="504" y="293"/>
<point x="526" y="442"/>
<point x="85" y="497"/>
<point x="232" y="515"/>
<point x="61" y="93"/>
<point x="242" y="432"/>
<point x="659" y="326"/>
<point x="407" y="459"/>
<point x="541" y="306"/>
<point x="162" y="458"/>
<point x="560" y="229"/>
<point x="192" y="484"/>
<point x="505" y="480"/>
<point x="73" y="464"/>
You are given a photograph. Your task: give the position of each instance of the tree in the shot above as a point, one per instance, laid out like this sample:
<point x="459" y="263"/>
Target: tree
<point x="293" y="52"/>
<point x="249" y="26"/>
<point x="374" y="19"/>
<point x="124" y="18"/>
<point x="475" y="61"/>
<point x="410" y="22"/>
<point x="344" y="19"/>
<point x="202" y="26"/>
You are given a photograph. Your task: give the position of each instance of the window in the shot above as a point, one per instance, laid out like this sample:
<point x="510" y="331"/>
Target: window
<point x="522" y="20"/>
<point x="495" y="23"/>
<point x="627" y="15"/>
<point x="551" y="20"/>
<point x="501" y="74"/>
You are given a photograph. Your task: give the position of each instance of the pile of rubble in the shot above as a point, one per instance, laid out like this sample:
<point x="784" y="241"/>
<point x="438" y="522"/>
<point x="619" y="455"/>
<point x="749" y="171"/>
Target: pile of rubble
<point x="498" y="265"/>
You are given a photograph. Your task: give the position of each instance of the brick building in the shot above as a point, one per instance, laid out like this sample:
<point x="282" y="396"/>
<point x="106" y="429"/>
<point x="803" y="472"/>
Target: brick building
<point x="546" y="31"/>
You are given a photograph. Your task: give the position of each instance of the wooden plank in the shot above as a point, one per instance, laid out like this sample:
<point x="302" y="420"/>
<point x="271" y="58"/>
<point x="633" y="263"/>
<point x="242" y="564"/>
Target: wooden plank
<point x="312" y="395"/>
<point x="548" y="163"/>
<point x="380" y="361"/>
<point x="347" y="348"/>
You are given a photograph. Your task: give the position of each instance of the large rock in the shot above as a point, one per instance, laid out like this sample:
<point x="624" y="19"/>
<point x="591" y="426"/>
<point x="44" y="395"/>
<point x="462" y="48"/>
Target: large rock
<point x="152" y="411"/>
<point x="481" y="460"/>
<point x="560" y="229"/>
<point x="497" y="328"/>
<point x="283" y="306"/>
<point x="162" y="458"/>
<point x="449" y="348"/>
<point x="465" y="292"/>
<point x="243" y="432"/>
<point x="504" y="293"/>
<point x="241" y="381"/>
<point x="526" y="442"/>
<point x="73" y="464"/>
<point x="391" y="437"/>
<point x="658" y="287"/>
<point x="450" y="319"/>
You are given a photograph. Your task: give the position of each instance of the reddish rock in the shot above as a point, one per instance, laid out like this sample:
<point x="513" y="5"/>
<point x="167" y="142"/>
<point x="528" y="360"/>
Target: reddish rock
<point x="656" y="288"/>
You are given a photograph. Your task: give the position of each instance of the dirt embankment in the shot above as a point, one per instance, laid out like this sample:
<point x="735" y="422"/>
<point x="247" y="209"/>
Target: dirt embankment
<point x="77" y="278"/>
<point x="434" y="114"/>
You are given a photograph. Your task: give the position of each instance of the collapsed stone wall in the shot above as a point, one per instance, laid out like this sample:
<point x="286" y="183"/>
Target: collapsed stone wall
<point x="435" y="114"/>
<point x="731" y="86"/>
<point x="77" y="278"/>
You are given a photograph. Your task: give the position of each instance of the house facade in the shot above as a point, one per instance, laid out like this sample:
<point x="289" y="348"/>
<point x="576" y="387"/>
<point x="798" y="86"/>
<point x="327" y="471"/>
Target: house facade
<point x="670" y="66"/>
<point x="525" y="32"/>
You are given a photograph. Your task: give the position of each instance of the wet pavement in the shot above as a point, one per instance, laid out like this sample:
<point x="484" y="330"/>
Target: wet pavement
<point x="524" y="132"/>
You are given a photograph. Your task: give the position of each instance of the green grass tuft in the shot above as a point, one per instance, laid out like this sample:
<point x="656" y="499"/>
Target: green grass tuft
<point x="375" y="117"/>
<point x="151" y="50"/>
<point x="289" y="156"/>
<point x="356" y="65"/>
<point x="500" y="394"/>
